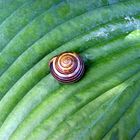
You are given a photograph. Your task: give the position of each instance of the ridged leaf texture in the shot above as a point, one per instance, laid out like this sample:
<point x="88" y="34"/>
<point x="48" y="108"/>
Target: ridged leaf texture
<point x="104" y="104"/>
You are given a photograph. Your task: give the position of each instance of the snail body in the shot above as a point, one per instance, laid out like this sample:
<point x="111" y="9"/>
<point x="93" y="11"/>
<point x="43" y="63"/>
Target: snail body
<point x="67" y="67"/>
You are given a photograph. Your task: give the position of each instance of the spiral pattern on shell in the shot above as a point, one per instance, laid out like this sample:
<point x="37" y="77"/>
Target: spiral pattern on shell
<point x="67" y="67"/>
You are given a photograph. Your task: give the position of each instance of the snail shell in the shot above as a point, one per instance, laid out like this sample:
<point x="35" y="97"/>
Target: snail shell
<point x="67" y="67"/>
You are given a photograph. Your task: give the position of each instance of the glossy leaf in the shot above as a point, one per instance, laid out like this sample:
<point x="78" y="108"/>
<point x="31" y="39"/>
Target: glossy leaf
<point x="104" y="104"/>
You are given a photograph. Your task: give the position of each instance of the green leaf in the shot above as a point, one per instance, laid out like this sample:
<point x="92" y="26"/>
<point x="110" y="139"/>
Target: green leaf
<point x="104" y="104"/>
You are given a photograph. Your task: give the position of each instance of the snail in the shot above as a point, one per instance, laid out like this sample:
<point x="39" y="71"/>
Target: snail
<point x="68" y="67"/>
